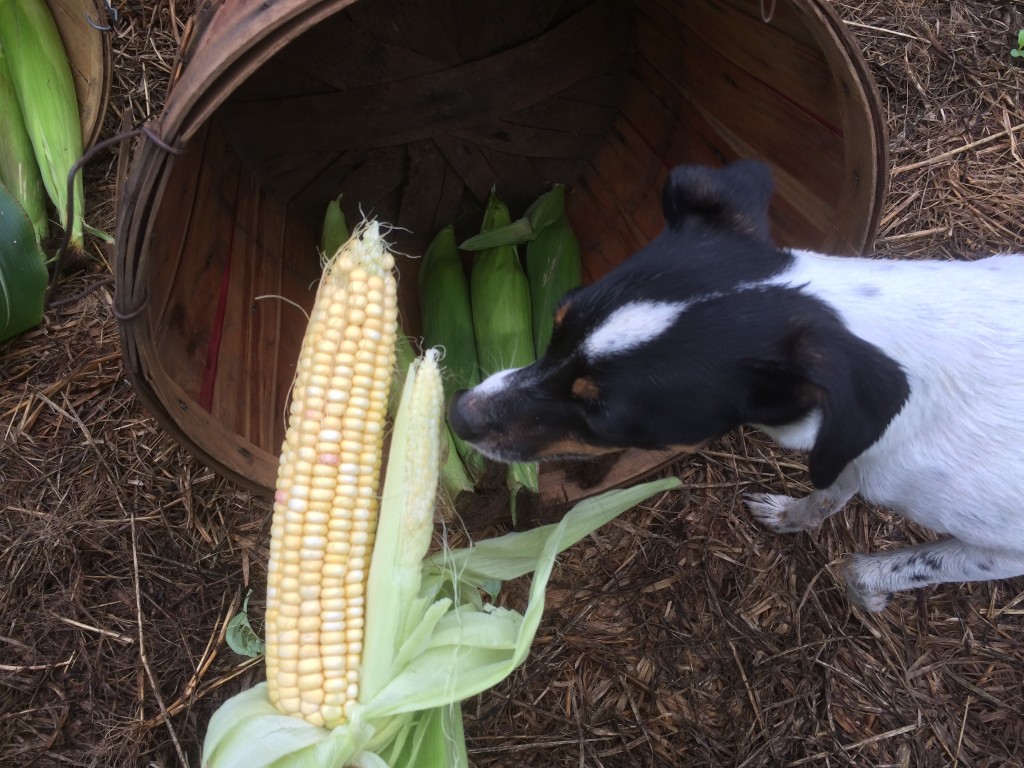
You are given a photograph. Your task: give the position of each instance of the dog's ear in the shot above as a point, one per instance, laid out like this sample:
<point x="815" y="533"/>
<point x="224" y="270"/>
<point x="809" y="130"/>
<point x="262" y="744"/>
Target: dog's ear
<point x="733" y="198"/>
<point x="859" y="390"/>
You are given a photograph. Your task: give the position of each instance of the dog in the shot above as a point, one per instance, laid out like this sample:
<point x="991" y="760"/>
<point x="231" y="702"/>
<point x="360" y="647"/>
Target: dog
<point x="903" y="380"/>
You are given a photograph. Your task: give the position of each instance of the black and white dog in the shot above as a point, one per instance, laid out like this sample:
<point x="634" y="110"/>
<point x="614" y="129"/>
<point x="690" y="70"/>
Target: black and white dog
<point x="903" y="379"/>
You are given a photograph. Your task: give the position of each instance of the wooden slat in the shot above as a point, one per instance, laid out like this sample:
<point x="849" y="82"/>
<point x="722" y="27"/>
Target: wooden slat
<point x="786" y="57"/>
<point x="422" y="107"/>
<point x="189" y="319"/>
<point x="774" y="126"/>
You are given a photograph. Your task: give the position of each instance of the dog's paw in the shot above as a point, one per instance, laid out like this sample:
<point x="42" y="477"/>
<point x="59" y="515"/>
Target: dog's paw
<point x="857" y="572"/>
<point x="781" y="514"/>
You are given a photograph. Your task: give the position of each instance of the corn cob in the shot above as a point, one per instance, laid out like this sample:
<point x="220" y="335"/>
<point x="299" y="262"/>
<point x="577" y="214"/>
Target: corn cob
<point x="18" y="168"/>
<point x="325" y="507"/>
<point x="553" y="268"/>
<point x="501" y="317"/>
<point x="41" y="76"/>
<point x="448" y="324"/>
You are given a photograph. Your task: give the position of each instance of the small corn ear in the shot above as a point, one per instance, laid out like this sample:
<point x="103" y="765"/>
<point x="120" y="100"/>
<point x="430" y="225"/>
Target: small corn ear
<point x="325" y="507"/>
<point x="18" y="168"/>
<point x="454" y="477"/>
<point x="41" y="76"/>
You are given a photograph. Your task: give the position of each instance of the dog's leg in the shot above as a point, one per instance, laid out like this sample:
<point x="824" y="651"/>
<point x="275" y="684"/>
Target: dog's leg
<point x="872" y="579"/>
<point x="785" y="514"/>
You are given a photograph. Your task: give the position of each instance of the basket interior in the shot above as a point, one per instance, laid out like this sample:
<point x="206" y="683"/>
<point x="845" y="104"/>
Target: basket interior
<point x="412" y="111"/>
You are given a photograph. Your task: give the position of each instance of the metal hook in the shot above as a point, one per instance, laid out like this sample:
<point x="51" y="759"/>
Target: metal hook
<point x="767" y="15"/>
<point x="111" y="12"/>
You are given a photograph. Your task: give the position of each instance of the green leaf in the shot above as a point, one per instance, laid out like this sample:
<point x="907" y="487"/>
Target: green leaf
<point x="240" y="636"/>
<point x="335" y="231"/>
<point x="248" y="731"/>
<point x="515" y="554"/>
<point x="22" y="269"/>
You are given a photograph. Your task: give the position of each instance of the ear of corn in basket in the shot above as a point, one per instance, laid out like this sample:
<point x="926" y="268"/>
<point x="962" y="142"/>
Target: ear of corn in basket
<point x="418" y="638"/>
<point x="448" y="323"/>
<point x="553" y="266"/>
<point x="18" y="168"/>
<point x="41" y="78"/>
<point x="502" y="320"/>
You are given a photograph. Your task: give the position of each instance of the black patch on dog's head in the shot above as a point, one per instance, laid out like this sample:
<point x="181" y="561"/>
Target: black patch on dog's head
<point x="732" y="199"/>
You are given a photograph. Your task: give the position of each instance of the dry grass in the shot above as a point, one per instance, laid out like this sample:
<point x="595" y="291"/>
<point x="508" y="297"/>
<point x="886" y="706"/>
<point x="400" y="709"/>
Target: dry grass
<point x="680" y="634"/>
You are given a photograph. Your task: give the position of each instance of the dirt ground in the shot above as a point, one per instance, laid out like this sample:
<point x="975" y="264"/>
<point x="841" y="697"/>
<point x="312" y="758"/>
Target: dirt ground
<point x="681" y="634"/>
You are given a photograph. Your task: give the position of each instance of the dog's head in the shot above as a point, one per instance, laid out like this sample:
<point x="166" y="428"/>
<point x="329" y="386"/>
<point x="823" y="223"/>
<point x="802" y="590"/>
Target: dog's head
<point x="686" y="340"/>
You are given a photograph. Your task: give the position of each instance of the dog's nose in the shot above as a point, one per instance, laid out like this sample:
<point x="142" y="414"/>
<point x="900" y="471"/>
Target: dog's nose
<point x="460" y="418"/>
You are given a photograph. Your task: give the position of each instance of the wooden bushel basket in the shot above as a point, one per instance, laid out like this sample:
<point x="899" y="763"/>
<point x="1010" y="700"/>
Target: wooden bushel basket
<point x="413" y="110"/>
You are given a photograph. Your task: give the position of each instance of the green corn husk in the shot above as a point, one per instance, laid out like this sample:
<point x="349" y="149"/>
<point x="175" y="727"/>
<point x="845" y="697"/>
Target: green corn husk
<point x="543" y="212"/>
<point x="41" y="76"/>
<point x="22" y="270"/>
<point x="18" y="168"/>
<point x="335" y="231"/>
<point x="448" y="323"/>
<point x="502" y="319"/>
<point x="553" y="267"/>
<point x="500" y="299"/>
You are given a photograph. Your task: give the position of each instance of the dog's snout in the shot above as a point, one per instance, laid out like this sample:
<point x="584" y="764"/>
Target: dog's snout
<point x="460" y="417"/>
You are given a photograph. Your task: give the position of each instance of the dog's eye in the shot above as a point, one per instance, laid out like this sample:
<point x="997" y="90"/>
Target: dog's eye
<point x="586" y="390"/>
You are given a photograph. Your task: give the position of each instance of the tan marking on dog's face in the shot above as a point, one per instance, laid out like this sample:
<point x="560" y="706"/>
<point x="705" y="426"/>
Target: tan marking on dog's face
<point x="585" y="389"/>
<point x="560" y="314"/>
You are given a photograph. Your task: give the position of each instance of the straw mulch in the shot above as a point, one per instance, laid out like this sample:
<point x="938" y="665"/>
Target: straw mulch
<point x="680" y="634"/>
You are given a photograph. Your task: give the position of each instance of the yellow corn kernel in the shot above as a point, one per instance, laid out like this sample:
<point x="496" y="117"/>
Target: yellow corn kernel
<point x="325" y="506"/>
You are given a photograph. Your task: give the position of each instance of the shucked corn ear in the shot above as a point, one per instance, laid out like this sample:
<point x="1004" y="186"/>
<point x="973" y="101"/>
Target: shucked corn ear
<point x="325" y="507"/>
<point x="502" y="319"/>
<point x="41" y="76"/>
<point x="18" y="168"/>
<point x="448" y="323"/>
<point x="553" y="267"/>
<point x="454" y="478"/>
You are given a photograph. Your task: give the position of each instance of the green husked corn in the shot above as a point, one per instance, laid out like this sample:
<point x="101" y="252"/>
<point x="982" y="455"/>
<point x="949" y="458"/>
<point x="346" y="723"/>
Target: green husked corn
<point x="553" y="268"/>
<point x="448" y="323"/>
<point x="502" y="320"/>
<point x="41" y="77"/>
<point x="501" y="301"/>
<point x="18" y="168"/>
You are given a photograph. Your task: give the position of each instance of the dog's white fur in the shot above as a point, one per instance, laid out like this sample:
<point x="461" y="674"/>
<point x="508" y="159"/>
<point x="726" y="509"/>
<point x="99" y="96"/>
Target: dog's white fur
<point x="953" y="458"/>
